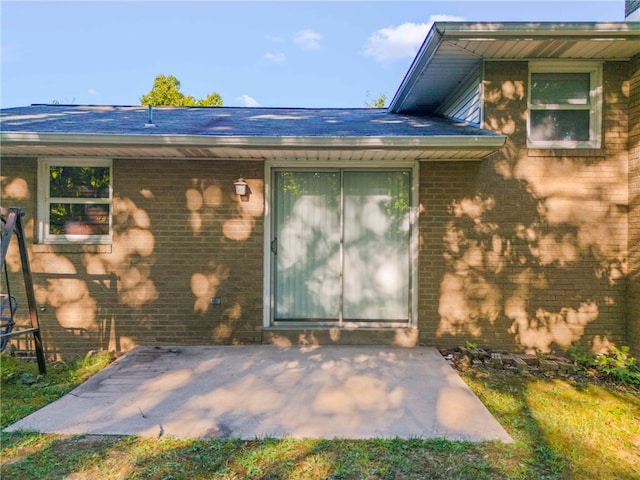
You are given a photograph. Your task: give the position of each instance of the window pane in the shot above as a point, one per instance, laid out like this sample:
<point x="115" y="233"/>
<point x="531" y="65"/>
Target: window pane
<point x="307" y="226"/>
<point x="549" y="125"/>
<point x="79" y="182"/>
<point x="78" y="219"/>
<point x="376" y="246"/>
<point x="560" y="88"/>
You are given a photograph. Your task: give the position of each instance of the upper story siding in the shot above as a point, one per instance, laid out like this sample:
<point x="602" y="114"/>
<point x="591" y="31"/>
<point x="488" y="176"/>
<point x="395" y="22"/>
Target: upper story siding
<point x="465" y="103"/>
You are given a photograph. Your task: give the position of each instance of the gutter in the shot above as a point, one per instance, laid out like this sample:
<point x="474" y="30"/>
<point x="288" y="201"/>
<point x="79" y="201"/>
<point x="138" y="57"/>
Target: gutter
<point x="523" y="30"/>
<point x="463" y="142"/>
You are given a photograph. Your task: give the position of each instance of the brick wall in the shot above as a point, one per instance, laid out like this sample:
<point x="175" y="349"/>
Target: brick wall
<point x="458" y="298"/>
<point x="527" y="250"/>
<point x="18" y="190"/>
<point x="633" y="318"/>
<point x="181" y="236"/>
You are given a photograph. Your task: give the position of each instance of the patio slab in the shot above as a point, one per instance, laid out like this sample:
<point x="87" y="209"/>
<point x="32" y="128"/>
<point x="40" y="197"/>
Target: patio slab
<point x="265" y="391"/>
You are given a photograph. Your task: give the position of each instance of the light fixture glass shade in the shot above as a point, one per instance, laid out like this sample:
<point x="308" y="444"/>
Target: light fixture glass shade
<point x="241" y="186"/>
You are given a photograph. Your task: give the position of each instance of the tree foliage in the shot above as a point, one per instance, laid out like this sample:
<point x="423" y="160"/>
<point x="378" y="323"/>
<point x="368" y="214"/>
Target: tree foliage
<point x="166" y="91"/>
<point x="377" y="102"/>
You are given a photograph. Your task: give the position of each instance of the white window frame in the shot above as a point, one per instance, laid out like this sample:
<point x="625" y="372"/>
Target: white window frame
<point x="594" y="106"/>
<point x="45" y="199"/>
<point x="268" y="297"/>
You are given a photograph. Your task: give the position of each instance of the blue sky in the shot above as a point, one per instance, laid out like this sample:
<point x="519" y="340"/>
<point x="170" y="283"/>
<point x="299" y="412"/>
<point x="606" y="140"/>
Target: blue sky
<point x="270" y="54"/>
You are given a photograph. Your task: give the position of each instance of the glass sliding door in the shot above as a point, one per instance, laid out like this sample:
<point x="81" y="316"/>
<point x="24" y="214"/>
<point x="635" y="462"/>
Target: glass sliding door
<point x="307" y="246"/>
<point x="376" y="246"/>
<point x="341" y="246"/>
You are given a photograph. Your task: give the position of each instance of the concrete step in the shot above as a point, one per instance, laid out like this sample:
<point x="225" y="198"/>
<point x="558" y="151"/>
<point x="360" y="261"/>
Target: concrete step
<point x="400" y="337"/>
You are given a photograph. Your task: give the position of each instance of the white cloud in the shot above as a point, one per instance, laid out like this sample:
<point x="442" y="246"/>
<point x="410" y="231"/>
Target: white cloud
<point x="307" y="39"/>
<point x="248" y="101"/>
<point x="275" y="57"/>
<point x="91" y="91"/>
<point x="401" y="41"/>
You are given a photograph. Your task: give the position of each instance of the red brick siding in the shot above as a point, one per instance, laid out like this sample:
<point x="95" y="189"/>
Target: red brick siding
<point x="181" y="236"/>
<point x="533" y="243"/>
<point x="17" y="189"/>
<point x="633" y="295"/>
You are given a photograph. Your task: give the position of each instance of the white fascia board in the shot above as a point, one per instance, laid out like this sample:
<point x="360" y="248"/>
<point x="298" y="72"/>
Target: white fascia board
<point x="522" y="30"/>
<point x="438" y="141"/>
<point x="426" y="52"/>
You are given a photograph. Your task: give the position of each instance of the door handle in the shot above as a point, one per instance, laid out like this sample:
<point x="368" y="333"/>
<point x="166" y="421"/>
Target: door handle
<point x="274" y="246"/>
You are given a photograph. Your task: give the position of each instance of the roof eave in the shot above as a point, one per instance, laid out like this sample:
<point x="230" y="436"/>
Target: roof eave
<point x="503" y="30"/>
<point x="428" y="48"/>
<point x="258" y="142"/>
<point x="464" y="32"/>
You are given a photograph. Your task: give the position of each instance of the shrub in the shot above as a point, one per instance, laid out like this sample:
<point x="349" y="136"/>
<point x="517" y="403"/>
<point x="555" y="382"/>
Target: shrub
<point x="618" y="364"/>
<point x="581" y="356"/>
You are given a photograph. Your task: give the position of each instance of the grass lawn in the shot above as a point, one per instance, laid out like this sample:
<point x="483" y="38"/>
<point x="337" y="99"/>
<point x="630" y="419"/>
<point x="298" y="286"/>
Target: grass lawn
<point x="564" y="428"/>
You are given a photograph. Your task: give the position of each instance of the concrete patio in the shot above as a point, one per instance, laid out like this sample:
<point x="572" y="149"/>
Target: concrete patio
<point x="265" y="391"/>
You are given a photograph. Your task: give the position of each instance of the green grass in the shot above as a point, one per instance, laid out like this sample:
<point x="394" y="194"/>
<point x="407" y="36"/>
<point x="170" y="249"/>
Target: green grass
<point x="23" y="390"/>
<point x="563" y="429"/>
<point x="570" y="428"/>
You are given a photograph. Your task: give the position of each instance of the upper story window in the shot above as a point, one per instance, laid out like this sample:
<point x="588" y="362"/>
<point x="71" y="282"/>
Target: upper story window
<point x="74" y="201"/>
<point x="565" y="105"/>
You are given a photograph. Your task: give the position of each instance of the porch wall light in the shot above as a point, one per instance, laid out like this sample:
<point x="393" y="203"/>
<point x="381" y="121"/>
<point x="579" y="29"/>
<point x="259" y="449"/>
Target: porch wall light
<point x="241" y="187"/>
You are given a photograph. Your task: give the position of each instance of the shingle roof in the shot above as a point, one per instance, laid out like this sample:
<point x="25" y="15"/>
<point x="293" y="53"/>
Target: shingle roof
<point x="239" y="133"/>
<point x="228" y="122"/>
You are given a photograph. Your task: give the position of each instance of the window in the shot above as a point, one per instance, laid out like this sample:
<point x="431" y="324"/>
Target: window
<point x="565" y="103"/>
<point x="74" y="204"/>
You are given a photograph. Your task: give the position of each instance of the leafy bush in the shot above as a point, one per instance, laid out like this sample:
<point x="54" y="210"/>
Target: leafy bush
<point x="581" y="356"/>
<point x="618" y="364"/>
<point x="471" y="345"/>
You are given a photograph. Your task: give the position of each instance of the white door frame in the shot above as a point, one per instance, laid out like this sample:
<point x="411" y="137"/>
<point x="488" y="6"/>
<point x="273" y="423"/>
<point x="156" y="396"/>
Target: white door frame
<point x="268" y="234"/>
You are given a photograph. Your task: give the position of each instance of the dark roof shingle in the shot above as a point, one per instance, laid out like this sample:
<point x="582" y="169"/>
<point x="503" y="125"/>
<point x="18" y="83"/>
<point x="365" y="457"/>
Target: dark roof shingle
<point x="228" y="122"/>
